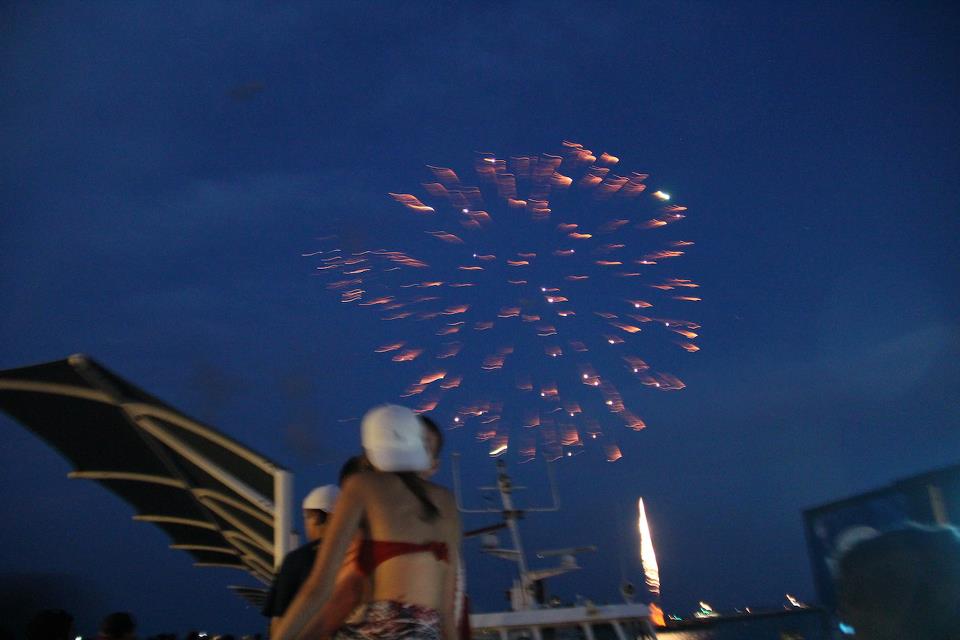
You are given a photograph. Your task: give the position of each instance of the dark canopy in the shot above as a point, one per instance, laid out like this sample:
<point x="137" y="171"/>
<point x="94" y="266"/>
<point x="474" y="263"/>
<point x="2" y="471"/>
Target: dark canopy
<point x="215" y="498"/>
<point x="254" y="596"/>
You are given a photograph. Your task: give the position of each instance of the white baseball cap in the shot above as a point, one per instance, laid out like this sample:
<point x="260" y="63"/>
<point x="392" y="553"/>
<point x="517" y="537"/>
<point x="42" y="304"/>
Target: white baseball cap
<point x="322" y="498"/>
<point x="392" y="438"/>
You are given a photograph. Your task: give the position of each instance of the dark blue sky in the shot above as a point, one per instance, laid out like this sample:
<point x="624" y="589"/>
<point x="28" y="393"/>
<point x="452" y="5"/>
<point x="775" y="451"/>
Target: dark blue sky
<point x="155" y="222"/>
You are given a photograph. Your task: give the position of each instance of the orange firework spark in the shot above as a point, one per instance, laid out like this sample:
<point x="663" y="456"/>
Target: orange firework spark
<point x="433" y="377"/>
<point x="452" y="383"/>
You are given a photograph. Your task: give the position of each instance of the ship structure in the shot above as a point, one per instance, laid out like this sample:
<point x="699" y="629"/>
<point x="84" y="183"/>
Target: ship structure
<point x="530" y="617"/>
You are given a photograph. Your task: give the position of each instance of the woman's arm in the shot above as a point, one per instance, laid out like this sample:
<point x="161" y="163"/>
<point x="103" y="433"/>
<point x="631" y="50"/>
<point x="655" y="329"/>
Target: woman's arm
<point x="318" y="586"/>
<point x="348" y="594"/>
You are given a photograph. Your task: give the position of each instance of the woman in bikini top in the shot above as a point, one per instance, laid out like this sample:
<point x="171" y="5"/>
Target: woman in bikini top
<point x="372" y="553"/>
<point x="411" y="548"/>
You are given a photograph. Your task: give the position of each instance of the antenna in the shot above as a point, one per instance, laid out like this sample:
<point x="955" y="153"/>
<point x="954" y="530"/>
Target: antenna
<point x="502" y="476"/>
<point x="523" y="593"/>
<point x="565" y="551"/>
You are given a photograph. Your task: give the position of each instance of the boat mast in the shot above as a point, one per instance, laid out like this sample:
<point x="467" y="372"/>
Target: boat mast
<point x="510" y="517"/>
<point x="522" y="595"/>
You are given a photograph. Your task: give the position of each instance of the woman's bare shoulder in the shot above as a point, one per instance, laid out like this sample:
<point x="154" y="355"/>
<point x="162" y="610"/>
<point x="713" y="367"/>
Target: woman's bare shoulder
<point x="364" y="481"/>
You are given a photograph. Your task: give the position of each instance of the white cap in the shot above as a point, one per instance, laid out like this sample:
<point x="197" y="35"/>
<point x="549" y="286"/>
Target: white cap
<point x="392" y="438"/>
<point x="322" y="498"/>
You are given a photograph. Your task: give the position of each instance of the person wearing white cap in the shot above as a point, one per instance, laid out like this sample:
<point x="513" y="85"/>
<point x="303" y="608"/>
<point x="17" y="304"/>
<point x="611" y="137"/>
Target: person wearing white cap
<point x="317" y="507"/>
<point x="409" y="547"/>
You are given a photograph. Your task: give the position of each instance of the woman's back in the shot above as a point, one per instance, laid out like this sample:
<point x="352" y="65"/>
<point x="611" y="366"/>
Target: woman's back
<point x="395" y="514"/>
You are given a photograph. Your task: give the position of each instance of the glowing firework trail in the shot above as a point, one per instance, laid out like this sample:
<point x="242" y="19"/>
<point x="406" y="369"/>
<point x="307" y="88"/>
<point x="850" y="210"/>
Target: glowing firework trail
<point x="503" y="286"/>
<point x="648" y="557"/>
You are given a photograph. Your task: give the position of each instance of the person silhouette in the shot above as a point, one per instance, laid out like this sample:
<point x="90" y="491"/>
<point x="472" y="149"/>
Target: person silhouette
<point x="902" y="584"/>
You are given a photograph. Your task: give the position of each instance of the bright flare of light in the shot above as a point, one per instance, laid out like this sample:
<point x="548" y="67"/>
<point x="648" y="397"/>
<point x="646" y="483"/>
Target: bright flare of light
<point x="648" y="557"/>
<point x="663" y="195"/>
<point x="498" y="449"/>
<point x="656" y="615"/>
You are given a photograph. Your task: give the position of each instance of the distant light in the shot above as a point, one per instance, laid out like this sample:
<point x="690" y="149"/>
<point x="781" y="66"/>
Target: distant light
<point x="846" y="629"/>
<point x="569" y="454"/>
<point x="465" y="210"/>
<point x="609" y="401"/>
<point x="585" y="376"/>
<point x="794" y="602"/>
<point x="456" y="419"/>
<point x="663" y="195"/>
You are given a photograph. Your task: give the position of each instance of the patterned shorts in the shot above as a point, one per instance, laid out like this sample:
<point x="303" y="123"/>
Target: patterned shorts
<point x="391" y="620"/>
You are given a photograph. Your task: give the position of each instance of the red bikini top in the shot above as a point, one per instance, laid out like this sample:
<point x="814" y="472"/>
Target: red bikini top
<point x="376" y="552"/>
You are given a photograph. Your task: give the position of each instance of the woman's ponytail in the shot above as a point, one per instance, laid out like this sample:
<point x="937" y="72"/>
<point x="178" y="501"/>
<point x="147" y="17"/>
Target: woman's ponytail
<point x="429" y="511"/>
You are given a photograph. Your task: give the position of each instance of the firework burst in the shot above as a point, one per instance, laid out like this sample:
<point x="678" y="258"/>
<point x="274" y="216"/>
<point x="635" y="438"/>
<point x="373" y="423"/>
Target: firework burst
<point x="520" y="298"/>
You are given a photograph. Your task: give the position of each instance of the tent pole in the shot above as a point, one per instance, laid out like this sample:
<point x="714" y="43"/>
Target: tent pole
<point x="282" y="515"/>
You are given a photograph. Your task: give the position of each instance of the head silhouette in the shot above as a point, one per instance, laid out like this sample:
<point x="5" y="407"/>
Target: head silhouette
<point x="903" y="584"/>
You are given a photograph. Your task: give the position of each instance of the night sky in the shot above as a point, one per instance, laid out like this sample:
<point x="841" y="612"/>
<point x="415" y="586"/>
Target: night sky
<point x="165" y="165"/>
